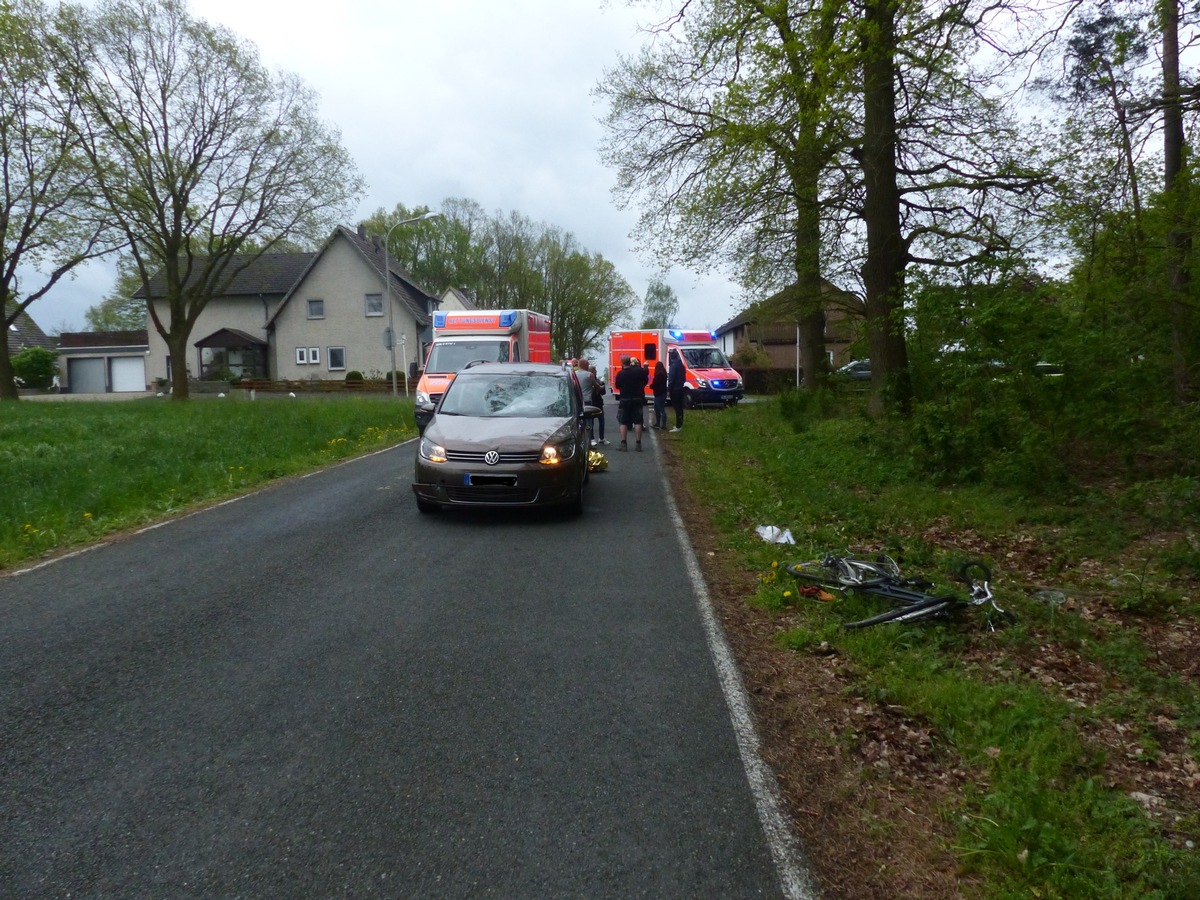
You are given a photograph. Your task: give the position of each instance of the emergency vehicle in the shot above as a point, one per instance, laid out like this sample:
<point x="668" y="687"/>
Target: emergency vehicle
<point x="709" y="378"/>
<point x="461" y="336"/>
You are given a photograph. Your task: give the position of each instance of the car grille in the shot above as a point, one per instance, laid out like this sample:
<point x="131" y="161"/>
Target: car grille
<point x="490" y="494"/>
<point x="723" y="384"/>
<point x="529" y="456"/>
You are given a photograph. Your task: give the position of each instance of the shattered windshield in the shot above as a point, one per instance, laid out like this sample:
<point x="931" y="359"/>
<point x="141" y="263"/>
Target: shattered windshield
<point x="476" y="393"/>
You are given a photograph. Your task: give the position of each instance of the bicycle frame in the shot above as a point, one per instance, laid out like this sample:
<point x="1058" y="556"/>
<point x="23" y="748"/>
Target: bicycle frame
<point x="881" y="578"/>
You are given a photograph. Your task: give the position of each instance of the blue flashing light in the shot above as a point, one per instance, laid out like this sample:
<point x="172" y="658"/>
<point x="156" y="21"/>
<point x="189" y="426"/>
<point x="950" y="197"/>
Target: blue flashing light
<point x="439" y="320"/>
<point x="508" y="318"/>
<point x="678" y="335"/>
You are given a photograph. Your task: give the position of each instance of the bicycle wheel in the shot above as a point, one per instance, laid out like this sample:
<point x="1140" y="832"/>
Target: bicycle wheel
<point x="933" y="608"/>
<point x="816" y="573"/>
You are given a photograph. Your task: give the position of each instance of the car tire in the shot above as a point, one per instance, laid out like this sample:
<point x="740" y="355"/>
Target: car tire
<point x="575" y="504"/>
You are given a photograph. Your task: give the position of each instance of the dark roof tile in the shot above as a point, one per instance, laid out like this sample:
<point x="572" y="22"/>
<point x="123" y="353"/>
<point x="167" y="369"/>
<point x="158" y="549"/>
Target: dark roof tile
<point x="24" y="333"/>
<point x="267" y="273"/>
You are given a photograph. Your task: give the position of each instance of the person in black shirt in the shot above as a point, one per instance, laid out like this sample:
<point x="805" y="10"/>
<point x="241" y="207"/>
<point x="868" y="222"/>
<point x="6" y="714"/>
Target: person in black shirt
<point x="631" y="384"/>
<point x="676" y="378"/>
<point x="658" y="384"/>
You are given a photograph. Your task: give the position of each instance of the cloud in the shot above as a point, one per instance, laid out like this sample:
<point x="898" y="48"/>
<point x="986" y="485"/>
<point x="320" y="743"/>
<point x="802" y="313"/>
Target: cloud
<point x="477" y="99"/>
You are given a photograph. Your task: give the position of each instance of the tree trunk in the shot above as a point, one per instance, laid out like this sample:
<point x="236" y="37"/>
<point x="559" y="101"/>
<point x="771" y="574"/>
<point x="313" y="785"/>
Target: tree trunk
<point x="1175" y="183"/>
<point x="177" y="348"/>
<point x="8" y="384"/>
<point x="883" y="271"/>
<point x="809" y="298"/>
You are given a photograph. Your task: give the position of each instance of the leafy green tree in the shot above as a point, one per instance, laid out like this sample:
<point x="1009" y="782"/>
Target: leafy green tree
<point x="48" y="220"/>
<point x="120" y="310"/>
<point x="726" y="131"/>
<point x="782" y="136"/>
<point x="506" y="260"/>
<point x="661" y="305"/>
<point x="200" y="153"/>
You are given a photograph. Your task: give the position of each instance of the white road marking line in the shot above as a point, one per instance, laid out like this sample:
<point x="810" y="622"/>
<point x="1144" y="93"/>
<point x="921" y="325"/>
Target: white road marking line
<point x="785" y="849"/>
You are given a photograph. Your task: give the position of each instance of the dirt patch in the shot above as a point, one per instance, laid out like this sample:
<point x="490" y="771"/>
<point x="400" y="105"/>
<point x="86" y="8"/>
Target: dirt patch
<point x="868" y="789"/>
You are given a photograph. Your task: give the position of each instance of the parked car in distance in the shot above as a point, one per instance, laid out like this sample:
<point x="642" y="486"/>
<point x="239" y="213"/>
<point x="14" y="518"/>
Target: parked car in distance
<point x="855" y="370"/>
<point x="505" y="434"/>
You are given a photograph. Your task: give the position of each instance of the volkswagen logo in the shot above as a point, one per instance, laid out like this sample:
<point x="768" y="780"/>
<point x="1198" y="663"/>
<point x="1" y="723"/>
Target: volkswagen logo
<point x="491" y="457"/>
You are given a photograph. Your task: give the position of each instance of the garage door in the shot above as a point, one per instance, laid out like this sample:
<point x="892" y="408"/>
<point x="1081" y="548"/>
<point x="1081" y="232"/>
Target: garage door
<point x="128" y="373"/>
<point x="86" y="376"/>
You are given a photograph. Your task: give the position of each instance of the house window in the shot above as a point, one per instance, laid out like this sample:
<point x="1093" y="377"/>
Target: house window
<point x="337" y="358"/>
<point x="316" y="309"/>
<point x="302" y="356"/>
<point x="314" y="356"/>
<point x="374" y="304"/>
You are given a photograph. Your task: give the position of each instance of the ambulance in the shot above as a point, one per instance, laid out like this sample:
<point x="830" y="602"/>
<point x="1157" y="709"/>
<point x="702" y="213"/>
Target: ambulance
<point x="709" y="378"/>
<point x="461" y="336"/>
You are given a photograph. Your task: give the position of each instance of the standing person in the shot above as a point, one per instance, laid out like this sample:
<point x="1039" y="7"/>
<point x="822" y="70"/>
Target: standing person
<point x="598" y="401"/>
<point x="676" y="378"/>
<point x="658" y="384"/>
<point x="587" y="387"/>
<point x="631" y="385"/>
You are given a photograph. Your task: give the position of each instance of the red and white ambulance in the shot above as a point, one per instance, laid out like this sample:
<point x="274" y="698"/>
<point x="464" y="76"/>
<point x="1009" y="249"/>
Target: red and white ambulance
<point x="461" y="336"/>
<point x="710" y="379"/>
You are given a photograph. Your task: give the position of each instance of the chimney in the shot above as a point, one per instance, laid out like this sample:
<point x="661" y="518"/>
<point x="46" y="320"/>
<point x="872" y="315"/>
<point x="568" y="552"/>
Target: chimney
<point x="362" y="232"/>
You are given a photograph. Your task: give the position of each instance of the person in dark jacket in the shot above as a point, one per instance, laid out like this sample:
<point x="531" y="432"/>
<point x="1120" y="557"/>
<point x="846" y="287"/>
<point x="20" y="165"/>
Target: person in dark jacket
<point x="658" y="384"/>
<point x="676" y="378"/>
<point x="630" y="384"/>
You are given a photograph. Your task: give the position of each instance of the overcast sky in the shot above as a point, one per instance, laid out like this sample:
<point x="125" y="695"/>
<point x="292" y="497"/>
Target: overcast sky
<point x="488" y="100"/>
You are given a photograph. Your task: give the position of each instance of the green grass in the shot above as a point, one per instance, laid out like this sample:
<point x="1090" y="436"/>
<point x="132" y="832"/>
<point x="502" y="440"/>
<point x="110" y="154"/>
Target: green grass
<point x="1039" y="819"/>
<point x="73" y="472"/>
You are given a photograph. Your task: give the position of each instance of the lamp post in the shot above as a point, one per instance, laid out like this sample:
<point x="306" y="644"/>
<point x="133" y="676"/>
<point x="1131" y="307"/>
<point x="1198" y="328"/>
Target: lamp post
<point x="387" y="294"/>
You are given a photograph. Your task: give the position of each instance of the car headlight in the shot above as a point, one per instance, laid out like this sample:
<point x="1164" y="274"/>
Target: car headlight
<point x="432" y="452"/>
<point x="422" y="398"/>
<point x="701" y="382"/>
<point x="560" y="447"/>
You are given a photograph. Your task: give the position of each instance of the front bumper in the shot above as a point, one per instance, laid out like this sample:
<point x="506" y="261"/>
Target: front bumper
<point x="455" y="485"/>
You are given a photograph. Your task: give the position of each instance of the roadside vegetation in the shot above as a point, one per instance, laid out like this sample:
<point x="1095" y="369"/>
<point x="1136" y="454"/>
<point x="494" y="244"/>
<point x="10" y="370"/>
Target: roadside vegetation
<point x="1059" y="757"/>
<point x="71" y="473"/>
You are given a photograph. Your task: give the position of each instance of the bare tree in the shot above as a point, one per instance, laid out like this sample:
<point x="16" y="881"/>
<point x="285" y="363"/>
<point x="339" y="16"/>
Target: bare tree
<point x="48" y="220"/>
<point x="200" y="152"/>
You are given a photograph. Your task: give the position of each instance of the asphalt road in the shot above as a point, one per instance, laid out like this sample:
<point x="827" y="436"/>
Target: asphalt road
<point x="315" y="691"/>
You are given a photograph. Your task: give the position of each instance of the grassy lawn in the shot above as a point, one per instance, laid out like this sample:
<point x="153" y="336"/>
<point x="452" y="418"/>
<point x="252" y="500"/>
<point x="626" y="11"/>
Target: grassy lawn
<point x="73" y="472"/>
<point x="1059" y="757"/>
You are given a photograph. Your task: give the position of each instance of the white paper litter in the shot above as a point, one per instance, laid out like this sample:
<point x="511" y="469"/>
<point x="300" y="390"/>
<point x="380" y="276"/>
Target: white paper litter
<point x="774" y="534"/>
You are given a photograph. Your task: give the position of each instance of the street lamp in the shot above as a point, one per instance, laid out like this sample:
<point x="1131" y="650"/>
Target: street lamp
<point x="387" y="296"/>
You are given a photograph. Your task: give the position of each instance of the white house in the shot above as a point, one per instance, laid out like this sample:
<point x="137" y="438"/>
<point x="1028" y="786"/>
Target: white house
<point x="293" y="316"/>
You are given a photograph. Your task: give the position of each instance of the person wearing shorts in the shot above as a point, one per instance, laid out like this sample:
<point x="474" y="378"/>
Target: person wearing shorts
<point x="631" y="384"/>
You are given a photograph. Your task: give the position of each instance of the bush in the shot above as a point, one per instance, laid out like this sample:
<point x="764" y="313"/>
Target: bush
<point x="354" y="377"/>
<point x="767" y="381"/>
<point x="36" y="367"/>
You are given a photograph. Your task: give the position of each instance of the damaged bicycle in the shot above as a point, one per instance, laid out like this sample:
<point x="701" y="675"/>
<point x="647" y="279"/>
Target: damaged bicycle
<point x="911" y="598"/>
